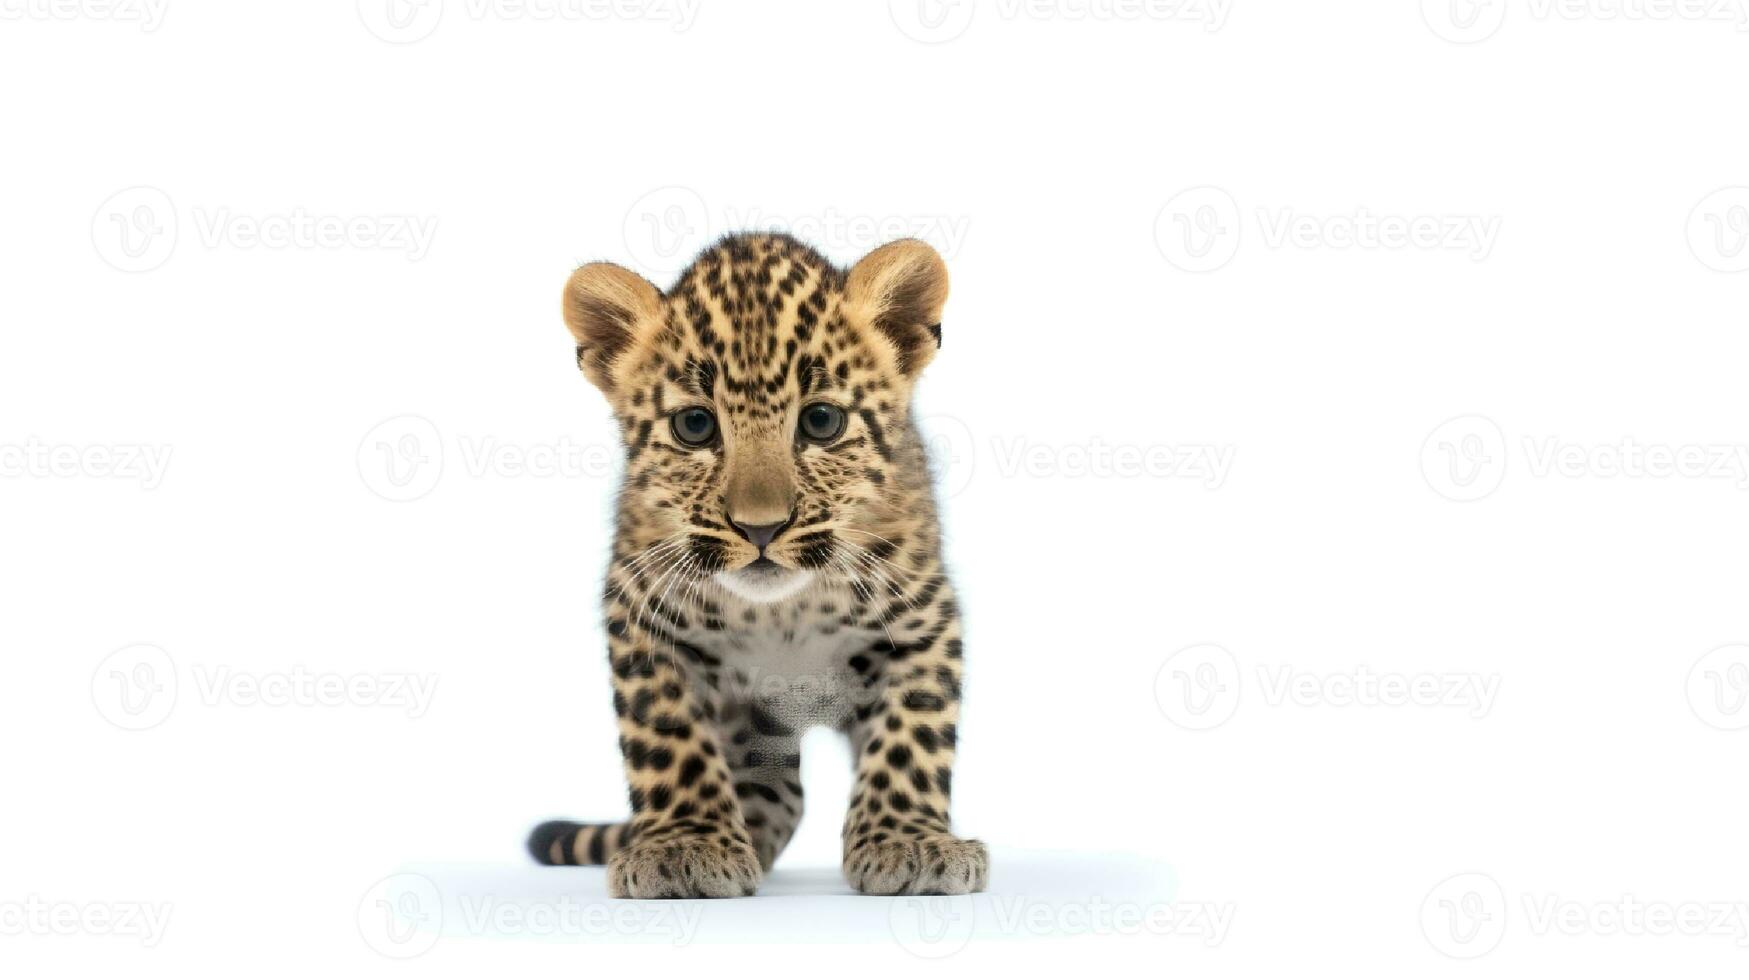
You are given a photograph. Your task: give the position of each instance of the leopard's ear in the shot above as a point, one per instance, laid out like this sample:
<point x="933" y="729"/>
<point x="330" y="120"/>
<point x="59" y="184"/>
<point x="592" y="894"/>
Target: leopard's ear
<point x="900" y="288"/>
<point x="607" y="308"/>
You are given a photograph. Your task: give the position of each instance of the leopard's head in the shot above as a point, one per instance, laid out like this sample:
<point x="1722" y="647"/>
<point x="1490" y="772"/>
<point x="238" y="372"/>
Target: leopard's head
<point x="764" y="406"/>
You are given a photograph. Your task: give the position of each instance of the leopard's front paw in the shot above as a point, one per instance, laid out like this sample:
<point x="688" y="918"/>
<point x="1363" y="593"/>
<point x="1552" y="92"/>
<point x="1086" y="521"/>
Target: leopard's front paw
<point x="684" y="867"/>
<point x="932" y="865"/>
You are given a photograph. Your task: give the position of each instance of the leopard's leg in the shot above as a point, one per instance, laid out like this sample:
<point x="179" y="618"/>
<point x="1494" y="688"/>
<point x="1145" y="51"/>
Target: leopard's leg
<point x="896" y="835"/>
<point x="688" y="838"/>
<point x="765" y="757"/>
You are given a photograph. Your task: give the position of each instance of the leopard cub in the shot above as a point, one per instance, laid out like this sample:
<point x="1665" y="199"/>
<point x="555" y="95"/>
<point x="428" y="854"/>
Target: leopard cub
<point x="776" y="565"/>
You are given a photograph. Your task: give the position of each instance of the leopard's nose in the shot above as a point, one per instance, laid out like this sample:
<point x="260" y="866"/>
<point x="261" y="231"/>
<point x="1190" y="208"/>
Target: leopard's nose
<point x="760" y="534"/>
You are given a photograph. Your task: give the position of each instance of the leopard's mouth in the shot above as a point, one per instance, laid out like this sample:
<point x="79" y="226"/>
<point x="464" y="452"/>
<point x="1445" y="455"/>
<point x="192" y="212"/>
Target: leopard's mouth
<point x="763" y="580"/>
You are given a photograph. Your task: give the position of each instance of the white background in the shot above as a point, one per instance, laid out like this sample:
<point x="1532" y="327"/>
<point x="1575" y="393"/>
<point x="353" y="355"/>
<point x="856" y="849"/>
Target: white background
<point x="1175" y="234"/>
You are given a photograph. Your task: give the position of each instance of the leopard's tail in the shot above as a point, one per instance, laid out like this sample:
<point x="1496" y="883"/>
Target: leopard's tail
<point x="564" y="842"/>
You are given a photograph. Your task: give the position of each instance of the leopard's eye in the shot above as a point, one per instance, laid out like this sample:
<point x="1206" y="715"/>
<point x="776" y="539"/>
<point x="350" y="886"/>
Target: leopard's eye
<point x="694" y="426"/>
<point x="822" y="422"/>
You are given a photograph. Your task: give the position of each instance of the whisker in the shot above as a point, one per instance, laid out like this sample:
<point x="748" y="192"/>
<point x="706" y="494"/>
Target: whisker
<point x="645" y="608"/>
<point x="872" y="564"/>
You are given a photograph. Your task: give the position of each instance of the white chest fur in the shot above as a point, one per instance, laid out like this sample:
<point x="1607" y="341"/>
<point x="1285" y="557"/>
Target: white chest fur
<point x="801" y="674"/>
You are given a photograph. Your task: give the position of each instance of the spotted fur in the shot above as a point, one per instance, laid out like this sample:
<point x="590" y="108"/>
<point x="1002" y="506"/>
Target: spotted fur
<point x="723" y="652"/>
